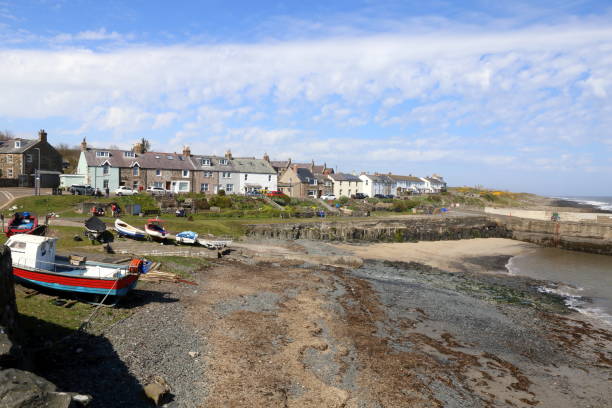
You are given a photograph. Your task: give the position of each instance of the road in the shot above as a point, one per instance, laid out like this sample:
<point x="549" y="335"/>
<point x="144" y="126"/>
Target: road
<point x="8" y="194"/>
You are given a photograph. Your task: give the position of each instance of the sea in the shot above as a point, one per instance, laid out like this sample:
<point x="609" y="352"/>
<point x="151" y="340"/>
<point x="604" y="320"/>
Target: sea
<point x="584" y="280"/>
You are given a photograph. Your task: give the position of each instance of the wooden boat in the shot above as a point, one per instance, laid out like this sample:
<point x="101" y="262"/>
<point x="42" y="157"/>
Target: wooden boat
<point x="22" y="223"/>
<point x="35" y="262"/>
<point x="126" y="230"/>
<point x="187" y="237"/>
<point x="155" y="230"/>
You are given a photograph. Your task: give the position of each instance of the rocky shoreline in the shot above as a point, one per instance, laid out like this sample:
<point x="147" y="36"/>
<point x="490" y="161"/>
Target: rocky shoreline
<point x="308" y="324"/>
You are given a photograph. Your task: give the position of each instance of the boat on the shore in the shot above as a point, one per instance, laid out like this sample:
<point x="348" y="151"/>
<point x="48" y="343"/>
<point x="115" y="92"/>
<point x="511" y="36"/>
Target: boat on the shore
<point x="94" y="228"/>
<point x="187" y="237"/>
<point x="35" y="262"/>
<point x="126" y="230"/>
<point x="214" y="243"/>
<point x="155" y="230"/>
<point x="22" y="223"/>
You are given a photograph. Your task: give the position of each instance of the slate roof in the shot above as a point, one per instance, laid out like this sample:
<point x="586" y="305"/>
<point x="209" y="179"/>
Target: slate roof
<point x="304" y="175"/>
<point x="8" y="146"/>
<point x="148" y="160"/>
<point x="433" y="180"/>
<point x="251" y="165"/>
<point x="380" y="178"/>
<point x="344" y="177"/>
<point x="280" y="164"/>
<point x="397" y="177"/>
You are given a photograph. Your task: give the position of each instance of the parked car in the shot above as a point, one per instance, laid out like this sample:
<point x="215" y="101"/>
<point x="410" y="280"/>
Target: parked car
<point x="359" y="196"/>
<point x="328" y="197"/>
<point x="156" y="190"/>
<point x="275" y="194"/>
<point x="380" y="196"/>
<point x="81" y="189"/>
<point x="253" y="193"/>
<point x="125" y="191"/>
<point x="389" y="196"/>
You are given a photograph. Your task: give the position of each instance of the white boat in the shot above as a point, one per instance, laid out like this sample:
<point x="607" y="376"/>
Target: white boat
<point x="214" y="243"/>
<point x="126" y="230"/>
<point x="155" y="230"/>
<point x="187" y="237"/>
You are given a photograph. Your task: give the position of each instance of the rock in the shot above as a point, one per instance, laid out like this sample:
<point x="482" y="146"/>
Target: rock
<point x="9" y="352"/>
<point x="22" y="389"/>
<point x="156" y="389"/>
<point x="194" y="354"/>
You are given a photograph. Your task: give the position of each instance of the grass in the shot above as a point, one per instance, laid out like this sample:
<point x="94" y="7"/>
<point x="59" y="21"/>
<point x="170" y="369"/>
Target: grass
<point x="182" y="266"/>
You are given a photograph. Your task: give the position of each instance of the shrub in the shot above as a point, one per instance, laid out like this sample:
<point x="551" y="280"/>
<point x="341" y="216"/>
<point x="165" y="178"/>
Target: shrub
<point x="221" y="192"/>
<point x="343" y="200"/>
<point x="221" y="201"/>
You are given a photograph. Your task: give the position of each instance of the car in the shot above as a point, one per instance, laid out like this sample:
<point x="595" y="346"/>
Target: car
<point x="125" y="191"/>
<point x="359" y="196"/>
<point x="380" y="196"/>
<point x="275" y="193"/>
<point x="253" y="193"/>
<point x="81" y="189"/>
<point x="328" y="197"/>
<point x="389" y="196"/>
<point x="156" y="190"/>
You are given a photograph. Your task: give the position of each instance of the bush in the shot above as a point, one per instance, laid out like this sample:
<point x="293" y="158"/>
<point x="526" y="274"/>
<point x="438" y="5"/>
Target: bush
<point x="221" y="201"/>
<point x="343" y="200"/>
<point x="221" y="192"/>
<point x="403" y="205"/>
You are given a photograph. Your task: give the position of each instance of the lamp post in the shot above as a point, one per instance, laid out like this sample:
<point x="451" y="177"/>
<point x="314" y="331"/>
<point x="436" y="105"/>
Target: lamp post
<point x="37" y="178"/>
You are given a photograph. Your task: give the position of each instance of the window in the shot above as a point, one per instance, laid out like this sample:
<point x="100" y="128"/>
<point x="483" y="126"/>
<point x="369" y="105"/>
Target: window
<point x="28" y="158"/>
<point x="246" y="176"/>
<point x="105" y="184"/>
<point x="105" y="169"/>
<point x="229" y="188"/>
<point x="9" y="173"/>
<point x="185" y="173"/>
<point x="181" y="158"/>
<point x="183" y="186"/>
<point x="269" y="178"/>
<point x="366" y="182"/>
<point x="340" y="193"/>
<point x="129" y="154"/>
<point x="224" y="161"/>
<point x="9" y="158"/>
<point x="158" y="184"/>
<point x="208" y="174"/>
<point x="102" y="154"/>
<point x="227" y="174"/>
<point x="205" y="162"/>
<point x="17" y="143"/>
<point x="203" y="187"/>
<point x="169" y="157"/>
<point x="135" y="170"/>
<point x="158" y="172"/>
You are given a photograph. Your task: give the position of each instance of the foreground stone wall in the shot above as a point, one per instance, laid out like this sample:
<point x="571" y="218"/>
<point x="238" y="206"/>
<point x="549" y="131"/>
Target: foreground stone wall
<point x="404" y="230"/>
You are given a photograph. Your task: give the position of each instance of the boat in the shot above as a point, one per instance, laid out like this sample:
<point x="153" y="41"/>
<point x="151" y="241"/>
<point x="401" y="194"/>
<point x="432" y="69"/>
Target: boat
<point x="214" y="242"/>
<point x="187" y="237"/>
<point x="35" y="262"/>
<point x="22" y="223"/>
<point x="126" y="230"/>
<point x="155" y="230"/>
<point x="94" y="228"/>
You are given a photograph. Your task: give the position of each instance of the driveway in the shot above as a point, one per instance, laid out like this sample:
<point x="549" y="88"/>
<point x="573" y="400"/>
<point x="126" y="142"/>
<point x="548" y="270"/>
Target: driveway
<point x="8" y="194"/>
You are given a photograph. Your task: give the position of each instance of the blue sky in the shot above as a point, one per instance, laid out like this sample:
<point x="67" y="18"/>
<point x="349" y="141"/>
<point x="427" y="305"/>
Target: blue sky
<point x="512" y="95"/>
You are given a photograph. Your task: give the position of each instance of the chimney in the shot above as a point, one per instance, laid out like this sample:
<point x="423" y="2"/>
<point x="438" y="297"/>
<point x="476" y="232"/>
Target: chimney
<point x="266" y="157"/>
<point x="228" y="154"/>
<point x="84" y="145"/>
<point x="42" y="135"/>
<point x="138" y="148"/>
<point x="186" y="151"/>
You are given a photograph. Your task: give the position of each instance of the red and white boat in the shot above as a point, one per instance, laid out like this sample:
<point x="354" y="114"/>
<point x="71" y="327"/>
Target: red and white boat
<point x="155" y="229"/>
<point x="21" y="223"/>
<point x="35" y="262"/>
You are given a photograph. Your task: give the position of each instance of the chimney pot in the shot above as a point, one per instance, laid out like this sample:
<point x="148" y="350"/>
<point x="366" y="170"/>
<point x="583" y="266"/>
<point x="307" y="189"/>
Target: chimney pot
<point x="186" y="151"/>
<point x="42" y="135"/>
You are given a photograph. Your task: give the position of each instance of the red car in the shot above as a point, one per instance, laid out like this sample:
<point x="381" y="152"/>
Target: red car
<point x="275" y="194"/>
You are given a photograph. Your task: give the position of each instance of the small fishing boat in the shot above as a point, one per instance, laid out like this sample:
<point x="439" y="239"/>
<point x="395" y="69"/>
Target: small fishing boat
<point x="214" y="242"/>
<point x="94" y="228"/>
<point x="126" y="230"/>
<point x="187" y="237"/>
<point x="155" y="230"/>
<point x="35" y="262"/>
<point x="21" y="223"/>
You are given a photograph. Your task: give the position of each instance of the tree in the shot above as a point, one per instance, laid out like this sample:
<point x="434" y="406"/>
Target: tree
<point x="146" y="145"/>
<point x="6" y="135"/>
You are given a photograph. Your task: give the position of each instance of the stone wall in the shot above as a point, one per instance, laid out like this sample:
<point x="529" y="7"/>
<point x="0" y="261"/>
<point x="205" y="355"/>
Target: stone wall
<point x="8" y="309"/>
<point x="409" y="229"/>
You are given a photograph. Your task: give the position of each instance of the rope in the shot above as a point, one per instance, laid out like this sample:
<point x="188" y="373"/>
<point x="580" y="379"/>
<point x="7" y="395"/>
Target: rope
<point x="87" y="321"/>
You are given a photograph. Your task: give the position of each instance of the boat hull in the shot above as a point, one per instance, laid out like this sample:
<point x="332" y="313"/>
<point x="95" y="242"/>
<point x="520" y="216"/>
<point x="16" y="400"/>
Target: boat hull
<point x="112" y="287"/>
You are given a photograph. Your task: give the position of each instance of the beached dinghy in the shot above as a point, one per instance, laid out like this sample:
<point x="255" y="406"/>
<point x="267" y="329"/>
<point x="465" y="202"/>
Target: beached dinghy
<point x="187" y="237"/>
<point x="126" y="230"/>
<point x="22" y="223"/>
<point x="94" y="228"/>
<point x="214" y="242"/>
<point x="155" y="230"/>
<point x="35" y="262"/>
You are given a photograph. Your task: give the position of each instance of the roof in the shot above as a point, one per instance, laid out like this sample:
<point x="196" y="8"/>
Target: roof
<point x="434" y="180"/>
<point x="380" y="178"/>
<point x="280" y="163"/>
<point x="397" y="177"/>
<point x="304" y="175"/>
<point x="314" y="168"/>
<point x="8" y="146"/>
<point x="344" y="177"/>
<point x="148" y="160"/>
<point x="252" y="165"/>
<point x="31" y="239"/>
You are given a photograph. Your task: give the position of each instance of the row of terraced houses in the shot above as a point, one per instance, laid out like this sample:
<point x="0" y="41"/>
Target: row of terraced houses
<point x="185" y="172"/>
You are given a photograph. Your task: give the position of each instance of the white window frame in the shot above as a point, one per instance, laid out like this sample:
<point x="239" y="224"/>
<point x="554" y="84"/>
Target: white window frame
<point x="227" y="174"/>
<point x="208" y="174"/>
<point x="203" y="187"/>
<point x="224" y="162"/>
<point x="185" y="173"/>
<point x="183" y="183"/>
<point x="105" y="184"/>
<point x="9" y="173"/>
<point x="206" y="162"/>
<point x="102" y="153"/>
<point x="229" y="188"/>
<point x="129" y="154"/>
<point x="105" y="169"/>
<point x="158" y="172"/>
<point x="136" y="170"/>
<point x="17" y="143"/>
<point x="9" y="158"/>
<point x="246" y="176"/>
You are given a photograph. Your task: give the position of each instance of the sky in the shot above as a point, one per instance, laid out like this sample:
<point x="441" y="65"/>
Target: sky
<point x="508" y="95"/>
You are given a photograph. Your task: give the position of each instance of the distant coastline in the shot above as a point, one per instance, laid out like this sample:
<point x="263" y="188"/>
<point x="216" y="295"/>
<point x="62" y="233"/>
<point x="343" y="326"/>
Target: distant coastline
<point x="594" y="204"/>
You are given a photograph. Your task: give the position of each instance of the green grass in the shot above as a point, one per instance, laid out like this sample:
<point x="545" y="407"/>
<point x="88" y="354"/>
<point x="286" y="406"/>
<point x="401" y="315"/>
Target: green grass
<point x="182" y="266"/>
